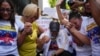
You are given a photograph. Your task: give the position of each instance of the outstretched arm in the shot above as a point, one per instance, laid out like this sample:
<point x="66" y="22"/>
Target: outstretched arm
<point x="61" y="17"/>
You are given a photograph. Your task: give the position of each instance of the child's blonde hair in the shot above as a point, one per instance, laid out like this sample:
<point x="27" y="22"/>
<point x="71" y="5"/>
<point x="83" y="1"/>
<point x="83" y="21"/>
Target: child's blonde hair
<point x="30" y="10"/>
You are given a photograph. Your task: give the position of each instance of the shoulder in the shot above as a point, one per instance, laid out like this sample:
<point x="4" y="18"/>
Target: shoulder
<point x="18" y="19"/>
<point x="18" y="22"/>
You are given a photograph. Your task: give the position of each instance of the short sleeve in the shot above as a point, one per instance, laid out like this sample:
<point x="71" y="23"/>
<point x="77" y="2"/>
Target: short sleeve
<point x="19" y="23"/>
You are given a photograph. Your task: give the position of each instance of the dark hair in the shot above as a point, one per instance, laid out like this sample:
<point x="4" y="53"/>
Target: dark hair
<point x="54" y="26"/>
<point x="86" y="1"/>
<point x="74" y="14"/>
<point x="12" y="15"/>
<point x="70" y="3"/>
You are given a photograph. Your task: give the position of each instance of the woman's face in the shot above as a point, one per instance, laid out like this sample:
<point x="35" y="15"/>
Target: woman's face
<point x="77" y="22"/>
<point x="30" y="19"/>
<point x="5" y="10"/>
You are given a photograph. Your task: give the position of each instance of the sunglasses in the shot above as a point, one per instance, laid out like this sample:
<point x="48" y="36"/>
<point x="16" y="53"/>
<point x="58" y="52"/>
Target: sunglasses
<point x="5" y="9"/>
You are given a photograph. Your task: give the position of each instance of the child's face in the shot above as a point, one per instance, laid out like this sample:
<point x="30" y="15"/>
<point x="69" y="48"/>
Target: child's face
<point x="54" y="33"/>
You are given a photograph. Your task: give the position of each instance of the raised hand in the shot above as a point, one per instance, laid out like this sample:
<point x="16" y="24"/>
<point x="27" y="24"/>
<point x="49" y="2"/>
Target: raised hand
<point x="70" y="27"/>
<point x="27" y="28"/>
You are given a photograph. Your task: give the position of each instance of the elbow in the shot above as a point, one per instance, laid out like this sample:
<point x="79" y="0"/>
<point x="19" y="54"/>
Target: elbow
<point x="19" y="43"/>
<point x="87" y="42"/>
<point x="80" y="44"/>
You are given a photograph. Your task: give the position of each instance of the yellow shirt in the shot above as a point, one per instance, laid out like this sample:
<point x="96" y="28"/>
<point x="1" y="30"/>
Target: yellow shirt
<point x="28" y="48"/>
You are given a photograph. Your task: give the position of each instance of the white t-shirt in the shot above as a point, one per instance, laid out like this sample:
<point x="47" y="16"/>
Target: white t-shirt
<point x="94" y="34"/>
<point x="19" y="22"/>
<point x="70" y="47"/>
<point x="84" y="50"/>
<point x="8" y="38"/>
<point x="61" y="40"/>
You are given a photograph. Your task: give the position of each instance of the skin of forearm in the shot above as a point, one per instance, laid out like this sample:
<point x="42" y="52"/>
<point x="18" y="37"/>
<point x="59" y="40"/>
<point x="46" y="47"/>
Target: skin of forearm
<point x="59" y="51"/>
<point x="78" y="42"/>
<point x="41" y="30"/>
<point x="40" y="44"/>
<point x="95" y="10"/>
<point x="81" y="37"/>
<point x="21" y="38"/>
<point x="61" y="17"/>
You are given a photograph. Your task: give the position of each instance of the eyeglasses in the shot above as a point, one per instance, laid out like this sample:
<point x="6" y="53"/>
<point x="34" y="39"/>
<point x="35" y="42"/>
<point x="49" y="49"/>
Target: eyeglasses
<point x="5" y="9"/>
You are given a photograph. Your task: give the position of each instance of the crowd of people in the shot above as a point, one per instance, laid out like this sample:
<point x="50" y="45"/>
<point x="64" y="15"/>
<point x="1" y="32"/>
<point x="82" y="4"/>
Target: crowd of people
<point x="75" y="35"/>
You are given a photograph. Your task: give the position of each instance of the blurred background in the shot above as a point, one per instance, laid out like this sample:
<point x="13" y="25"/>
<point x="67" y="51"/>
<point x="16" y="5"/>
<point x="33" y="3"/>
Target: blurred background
<point x="20" y="4"/>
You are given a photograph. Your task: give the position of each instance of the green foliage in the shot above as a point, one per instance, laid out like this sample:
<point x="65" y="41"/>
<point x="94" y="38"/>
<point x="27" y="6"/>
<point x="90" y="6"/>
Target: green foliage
<point x="67" y="6"/>
<point x="52" y="3"/>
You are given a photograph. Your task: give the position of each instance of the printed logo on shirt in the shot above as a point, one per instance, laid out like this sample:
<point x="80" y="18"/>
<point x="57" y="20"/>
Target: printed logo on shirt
<point x="94" y="34"/>
<point x="7" y="36"/>
<point x="91" y="26"/>
<point x="53" y="45"/>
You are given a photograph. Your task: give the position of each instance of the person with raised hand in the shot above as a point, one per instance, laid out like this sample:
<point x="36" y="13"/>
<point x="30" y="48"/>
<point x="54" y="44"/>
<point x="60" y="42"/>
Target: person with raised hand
<point x="75" y="27"/>
<point x="92" y="26"/>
